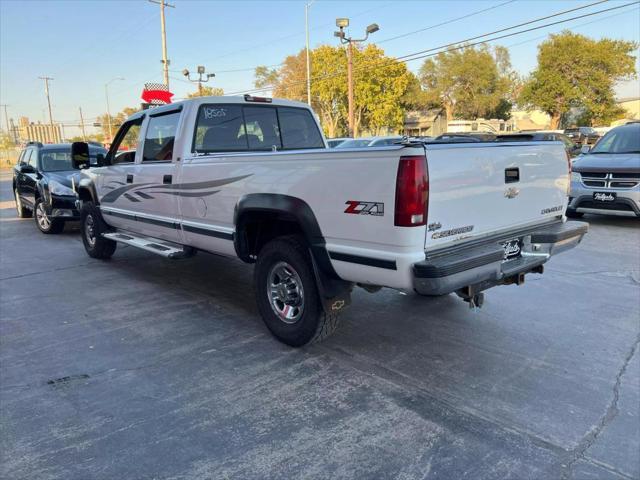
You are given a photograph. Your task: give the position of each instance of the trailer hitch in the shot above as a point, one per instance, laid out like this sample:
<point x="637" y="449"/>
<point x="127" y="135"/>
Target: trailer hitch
<point x="473" y="296"/>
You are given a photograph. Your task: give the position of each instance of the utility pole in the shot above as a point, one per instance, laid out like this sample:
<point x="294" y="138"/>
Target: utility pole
<point x="350" y="88"/>
<point x="165" y="60"/>
<point x="84" y="135"/>
<point x="342" y="23"/>
<point x="46" y="91"/>
<point x="306" y="29"/>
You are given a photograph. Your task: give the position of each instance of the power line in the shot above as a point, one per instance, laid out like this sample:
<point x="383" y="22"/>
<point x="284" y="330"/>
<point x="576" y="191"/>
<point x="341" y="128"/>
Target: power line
<point x="456" y="45"/>
<point x="293" y="35"/>
<point x="573" y="27"/>
<point x="446" y="22"/>
<point x="512" y="27"/>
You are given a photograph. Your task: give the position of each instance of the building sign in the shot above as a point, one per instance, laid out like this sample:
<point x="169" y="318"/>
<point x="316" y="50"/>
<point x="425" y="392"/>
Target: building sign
<point x="155" y="94"/>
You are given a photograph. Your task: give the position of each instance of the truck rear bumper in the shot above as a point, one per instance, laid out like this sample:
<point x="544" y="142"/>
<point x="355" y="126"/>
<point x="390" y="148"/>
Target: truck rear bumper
<point x="484" y="266"/>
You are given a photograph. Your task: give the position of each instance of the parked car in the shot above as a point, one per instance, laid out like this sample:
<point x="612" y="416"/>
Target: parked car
<point x="570" y="147"/>
<point x="317" y="222"/>
<point x="382" y="141"/>
<point x="334" y="142"/>
<point x="42" y="184"/>
<point x="355" y="143"/>
<point x="582" y="135"/>
<point x="606" y="179"/>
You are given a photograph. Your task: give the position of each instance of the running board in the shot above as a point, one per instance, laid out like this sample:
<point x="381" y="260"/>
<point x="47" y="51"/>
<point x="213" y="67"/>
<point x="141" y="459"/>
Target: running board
<point x="153" y="245"/>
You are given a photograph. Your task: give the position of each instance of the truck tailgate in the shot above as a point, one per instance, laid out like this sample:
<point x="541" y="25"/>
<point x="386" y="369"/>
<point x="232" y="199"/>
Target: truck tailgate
<point x="477" y="190"/>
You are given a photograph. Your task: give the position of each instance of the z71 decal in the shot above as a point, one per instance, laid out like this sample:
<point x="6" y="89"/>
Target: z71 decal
<point x="365" y="208"/>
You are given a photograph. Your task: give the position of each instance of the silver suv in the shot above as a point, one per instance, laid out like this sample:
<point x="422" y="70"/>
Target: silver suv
<point x="606" y="179"/>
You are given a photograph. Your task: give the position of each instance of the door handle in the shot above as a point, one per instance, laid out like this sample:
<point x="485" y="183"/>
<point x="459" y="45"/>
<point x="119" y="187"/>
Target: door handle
<point x="129" y="178"/>
<point x="167" y="179"/>
<point x="511" y="175"/>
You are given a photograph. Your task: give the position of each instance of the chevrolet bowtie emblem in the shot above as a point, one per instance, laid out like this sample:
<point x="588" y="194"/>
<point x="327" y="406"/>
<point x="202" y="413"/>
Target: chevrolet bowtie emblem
<point x="511" y="192"/>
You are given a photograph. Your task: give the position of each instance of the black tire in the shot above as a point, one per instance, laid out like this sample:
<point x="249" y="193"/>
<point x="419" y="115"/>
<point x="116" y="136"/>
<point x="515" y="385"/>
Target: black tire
<point x="92" y="226"/>
<point x="46" y="224"/>
<point x="574" y="214"/>
<point x="312" y="323"/>
<point x="21" y="210"/>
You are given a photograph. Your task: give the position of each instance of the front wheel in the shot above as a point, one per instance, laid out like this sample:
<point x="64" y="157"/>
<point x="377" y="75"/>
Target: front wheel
<point x="287" y="294"/>
<point x="92" y="226"/>
<point x="45" y="223"/>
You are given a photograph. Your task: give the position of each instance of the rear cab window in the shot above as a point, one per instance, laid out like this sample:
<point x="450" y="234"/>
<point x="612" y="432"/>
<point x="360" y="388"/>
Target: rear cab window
<point x="160" y="137"/>
<point x="244" y="128"/>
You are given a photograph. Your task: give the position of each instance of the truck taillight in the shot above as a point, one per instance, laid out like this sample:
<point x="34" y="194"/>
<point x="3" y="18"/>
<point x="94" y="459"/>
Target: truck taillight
<point x="412" y="192"/>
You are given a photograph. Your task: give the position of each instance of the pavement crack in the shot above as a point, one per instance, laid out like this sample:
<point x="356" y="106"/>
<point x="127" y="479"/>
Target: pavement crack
<point x="610" y="413"/>
<point x="47" y="271"/>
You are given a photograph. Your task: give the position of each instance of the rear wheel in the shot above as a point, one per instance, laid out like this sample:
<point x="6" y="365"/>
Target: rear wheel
<point x="92" y="226"/>
<point x="23" y="212"/>
<point x="45" y="223"/>
<point x="287" y="294"/>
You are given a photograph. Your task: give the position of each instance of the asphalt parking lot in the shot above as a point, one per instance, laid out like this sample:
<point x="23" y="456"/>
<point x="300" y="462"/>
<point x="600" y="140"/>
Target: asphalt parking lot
<point x="144" y="368"/>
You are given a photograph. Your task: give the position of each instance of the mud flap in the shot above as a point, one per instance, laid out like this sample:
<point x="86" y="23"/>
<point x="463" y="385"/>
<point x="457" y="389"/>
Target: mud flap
<point x="335" y="294"/>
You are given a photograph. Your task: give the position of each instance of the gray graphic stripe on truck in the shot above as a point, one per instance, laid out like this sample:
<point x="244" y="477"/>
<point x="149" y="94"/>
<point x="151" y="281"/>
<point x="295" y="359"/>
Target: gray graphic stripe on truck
<point x="144" y="190"/>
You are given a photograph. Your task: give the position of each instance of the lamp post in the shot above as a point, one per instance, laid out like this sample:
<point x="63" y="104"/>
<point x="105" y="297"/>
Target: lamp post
<point x="306" y="30"/>
<point x="202" y="77"/>
<point x="106" y="94"/>
<point x="342" y="23"/>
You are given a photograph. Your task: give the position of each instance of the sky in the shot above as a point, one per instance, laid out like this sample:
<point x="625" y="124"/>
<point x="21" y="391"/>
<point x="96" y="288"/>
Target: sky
<point x="84" y="44"/>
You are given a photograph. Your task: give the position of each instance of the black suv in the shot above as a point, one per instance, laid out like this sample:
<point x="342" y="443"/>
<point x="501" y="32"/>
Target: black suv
<point x="582" y="135"/>
<point x="42" y="184"/>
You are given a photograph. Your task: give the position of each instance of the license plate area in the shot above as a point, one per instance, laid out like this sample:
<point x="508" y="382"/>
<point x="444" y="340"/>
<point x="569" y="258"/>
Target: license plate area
<point x="604" y="197"/>
<point x="512" y="249"/>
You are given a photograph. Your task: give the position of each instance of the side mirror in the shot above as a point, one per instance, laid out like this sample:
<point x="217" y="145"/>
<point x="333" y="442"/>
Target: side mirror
<point x="585" y="149"/>
<point x="25" y="168"/>
<point x="80" y="155"/>
<point x="100" y="160"/>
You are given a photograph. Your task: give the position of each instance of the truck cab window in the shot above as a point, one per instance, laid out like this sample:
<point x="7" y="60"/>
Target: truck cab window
<point x="298" y="129"/>
<point x="160" y="137"/>
<point x="123" y="150"/>
<point x="220" y="128"/>
<point x="263" y="132"/>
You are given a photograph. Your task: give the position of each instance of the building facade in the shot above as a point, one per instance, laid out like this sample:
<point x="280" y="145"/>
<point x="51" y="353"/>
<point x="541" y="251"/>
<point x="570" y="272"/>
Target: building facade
<point x="431" y="122"/>
<point x="38" y="132"/>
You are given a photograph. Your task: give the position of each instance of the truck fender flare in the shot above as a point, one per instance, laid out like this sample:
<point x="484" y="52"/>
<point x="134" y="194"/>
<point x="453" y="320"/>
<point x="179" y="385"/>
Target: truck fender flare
<point x="329" y="284"/>
<point x="86" y="188"/>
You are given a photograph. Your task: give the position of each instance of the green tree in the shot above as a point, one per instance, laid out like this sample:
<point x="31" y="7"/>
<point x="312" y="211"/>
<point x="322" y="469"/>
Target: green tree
<point x="116" y="121"/>
<point x="469" y="82"/>
<point x="577" y="71"/>
<point x="207" y="92"/>
<point x="380" y="84"/>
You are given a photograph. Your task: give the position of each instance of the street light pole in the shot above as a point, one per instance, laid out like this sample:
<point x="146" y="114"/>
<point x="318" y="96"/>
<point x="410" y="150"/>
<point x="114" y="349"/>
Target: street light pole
<point x="203" y="76"/>
<point x="306" y="29"/>
<point x="106" y="94"/>
<point x="342" y="23"/>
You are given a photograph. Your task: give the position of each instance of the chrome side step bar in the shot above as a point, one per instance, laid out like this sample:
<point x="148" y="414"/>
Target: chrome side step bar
<point x="153" y="245"/>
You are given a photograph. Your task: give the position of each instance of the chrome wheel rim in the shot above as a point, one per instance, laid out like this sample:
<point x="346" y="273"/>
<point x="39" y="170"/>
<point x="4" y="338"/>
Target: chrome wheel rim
<point x="42" y="217"/>
<point x="285" y="292"/>
<point x="90" y="230"/>
<point x="18" y="202"/>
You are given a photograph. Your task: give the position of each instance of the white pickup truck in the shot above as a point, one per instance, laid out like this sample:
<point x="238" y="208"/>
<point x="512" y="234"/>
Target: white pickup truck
<point x="251" y="177"/>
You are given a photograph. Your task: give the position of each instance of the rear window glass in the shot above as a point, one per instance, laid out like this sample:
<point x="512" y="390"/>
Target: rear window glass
<point x="238" y="128"/>
<point x="299" y="130"/>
